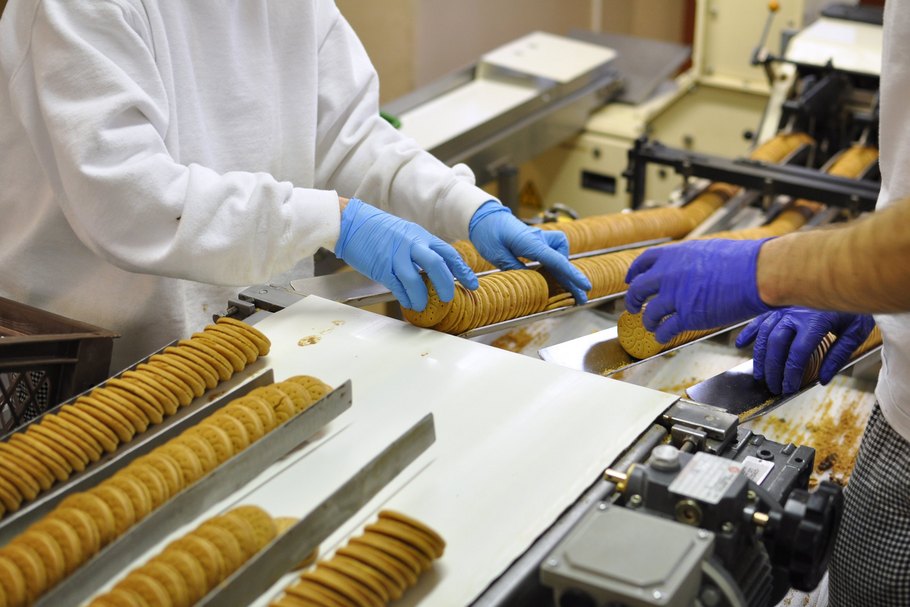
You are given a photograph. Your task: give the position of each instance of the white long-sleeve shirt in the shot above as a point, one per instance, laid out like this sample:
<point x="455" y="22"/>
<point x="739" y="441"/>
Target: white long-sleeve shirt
<point x="155" y="156"/>
<point x="893" y="389"/>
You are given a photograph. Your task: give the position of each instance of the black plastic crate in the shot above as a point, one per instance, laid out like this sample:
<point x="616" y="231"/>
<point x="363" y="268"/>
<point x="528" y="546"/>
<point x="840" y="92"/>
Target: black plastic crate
<point x="45" y="359"/>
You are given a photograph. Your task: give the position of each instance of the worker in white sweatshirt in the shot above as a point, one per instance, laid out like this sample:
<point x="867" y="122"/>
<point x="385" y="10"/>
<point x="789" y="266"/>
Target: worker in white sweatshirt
<point x="159" y="155"/>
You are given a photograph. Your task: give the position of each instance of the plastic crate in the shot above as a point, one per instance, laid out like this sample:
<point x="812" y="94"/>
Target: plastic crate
<point x="45" y="359"/>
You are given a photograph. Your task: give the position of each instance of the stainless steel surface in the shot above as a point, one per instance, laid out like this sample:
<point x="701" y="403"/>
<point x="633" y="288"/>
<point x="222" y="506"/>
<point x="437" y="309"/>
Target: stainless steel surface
<point x="738" y="392"/>
<point x="192" y="501"/>
<point x="16" y="522"/>
<point x="288" y="549"/>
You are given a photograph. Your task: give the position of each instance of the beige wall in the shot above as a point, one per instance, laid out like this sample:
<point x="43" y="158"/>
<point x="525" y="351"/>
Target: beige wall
<point x="413" y="42"/>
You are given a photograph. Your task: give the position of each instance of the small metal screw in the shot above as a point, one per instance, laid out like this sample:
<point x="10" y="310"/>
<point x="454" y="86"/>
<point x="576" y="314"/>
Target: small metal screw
<point x="727" y="527"/>
<point x="552" y="563"/>
<point x="601" y="506"/>
<point x="703" y="535"/>
<point x="635" y="501"/>
<point x="751" y="495"/>
<point x="657" y="594"/>
<point x="263" y="291"/>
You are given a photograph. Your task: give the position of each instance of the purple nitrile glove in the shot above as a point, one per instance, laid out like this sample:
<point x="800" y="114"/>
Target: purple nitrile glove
<point x="392" y="251"/>
<point x="502" y="238"/>
<point x="785" y="340"/>
<point x="700" y="284"/>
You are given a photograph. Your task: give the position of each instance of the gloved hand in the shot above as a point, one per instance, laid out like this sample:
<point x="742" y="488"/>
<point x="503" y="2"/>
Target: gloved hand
<point x="700" y="284"/>
<point x="785" y="340"/>
<point x="502" y="238"/>
<point x="391" y="250"/>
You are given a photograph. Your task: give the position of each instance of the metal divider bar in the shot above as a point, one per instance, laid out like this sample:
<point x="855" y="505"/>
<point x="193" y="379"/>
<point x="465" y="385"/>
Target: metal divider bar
<point x="192" y="501"/>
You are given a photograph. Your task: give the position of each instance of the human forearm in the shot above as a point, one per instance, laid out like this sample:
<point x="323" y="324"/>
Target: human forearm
<point x="861" y="267"/>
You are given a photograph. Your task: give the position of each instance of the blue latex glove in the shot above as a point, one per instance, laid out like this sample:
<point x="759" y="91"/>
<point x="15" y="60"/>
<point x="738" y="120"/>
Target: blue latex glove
<point x="785" y="340"/>
<point x="701" y="284"/>
<point x="392" y="251"/>
<point x="502" y="238"/>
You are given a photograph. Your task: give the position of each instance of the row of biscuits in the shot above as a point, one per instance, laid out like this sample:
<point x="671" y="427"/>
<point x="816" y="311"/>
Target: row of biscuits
<point x="190" y="567"/>
<point x="372" y="569"/>
<point x="30" y="563"/>
<point x="58" y="444"/>
<point x="614" y="229"/>
<point x="641" y="343"/>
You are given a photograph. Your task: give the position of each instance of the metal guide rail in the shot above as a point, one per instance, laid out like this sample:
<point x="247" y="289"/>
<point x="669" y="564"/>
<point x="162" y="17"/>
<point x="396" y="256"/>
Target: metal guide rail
<point x="109" y="463"/>
<point x="182" y="508"/>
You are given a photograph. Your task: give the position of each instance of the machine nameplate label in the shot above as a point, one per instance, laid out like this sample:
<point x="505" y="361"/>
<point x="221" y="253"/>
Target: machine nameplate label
<point x="706" y="478"/>
<point x="756" y="469"/>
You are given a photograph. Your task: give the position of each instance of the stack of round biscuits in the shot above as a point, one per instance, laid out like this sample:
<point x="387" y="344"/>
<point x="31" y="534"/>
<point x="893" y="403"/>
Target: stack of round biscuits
<point x="190" y="567"/>
<point x="372" y="569"/>
<point x="68" y="440"/>
<point x="86" y="521"/>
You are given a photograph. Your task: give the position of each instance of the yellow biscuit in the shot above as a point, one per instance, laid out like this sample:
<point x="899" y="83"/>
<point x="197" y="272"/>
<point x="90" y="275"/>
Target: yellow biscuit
<point x="174" y="384"/>
<point x="349" y="568"/>
<point x="224" y="347"/>
<point x="122" y="404"/>
<point x="146" y="587"/>
<point x="25" y="484"/>
<point x="67" y="539"/>
<point x="35" y="467"/>
<point x="238" y="338"/>
<point x="176" y="587"/>
<point x="226" y="544"/>
<point x="59" y="445"/>
<point x="341" y="584"/>
<point x="315" y="386"/>
<point x="388" y="589"/>
<point x="299" y="396"/>
<point x="120" y="505"/>
<point x="29" y="563"/>
<point x="137" y="493"/>
<point x="240" y="528"/>
<point x="86" y="441"/>
<point x="262" y="342"/>
<point x="206" y="553"/>
<point x="9" y="495"/>
<point x="314" y="593"/>
<point x="47" y="549"/>
<point x="86" y="527"/>
<point x="397" y="550"/>
<point x="434" y="538"/>
<point x="216" y="361"/>
<point x="433" y="313"/>
<point x="405" y="534"/>
<point x="13" y="582"/>
<point x="251" y="422"/>
<point x="139" y="396"/>
<point x="179" y="368"/>
<point x="102" y="433"/>
<point x="260" y="407"/>
<point x="240" y="438"/>
<point x="188" y="568"/>
<point x="201" y="448"/>
<point x="262" y="523"/>
<point x="118" y="597"/>
<point x="401" y="575"/>
<point x="168" y="399"/>
<point x="216" y="437"/>
<point x="186" y="460"/>
<point x="283" y="523"/>
<point x="100" y="411"/>
<point x="168" y="469"/>
<point x="151" y="479"/>
<point x="198" y="364"/>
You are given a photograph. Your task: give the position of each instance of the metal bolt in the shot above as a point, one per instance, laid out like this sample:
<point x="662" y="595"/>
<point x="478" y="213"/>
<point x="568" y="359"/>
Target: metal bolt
<point x="657" y="594"/>
<point x="635" y="501"/>
<point x="602" y="506"/>
<point x="552" y="563"/>
<point x="751" y="495"/>
<point x="727" y="527"/>
<point x="703" y="535"/>
<point x="263" y="291"/>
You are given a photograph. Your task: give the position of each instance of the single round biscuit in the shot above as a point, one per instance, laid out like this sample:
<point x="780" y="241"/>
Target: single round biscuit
<point x="258" y="337"/>
<point x="13" y="582"/>
<point x="262" y="523"/>
<point x="240" y="528"/>
<point x="138" y="494"/>
<point x="190" y="359"/>
<point x="168" y="468"/>
<point x="86" y="441"/>
<point x="315" y="386"/>
<point x="75" y="457"/>
<point x="433" y="313"/>
<point x="206" y="553"/>
<point x="29" y="563"/>
<point x="67" y="539"/>
<point x="189" y="569"/>
<point x="120" y="505"/>
<point x="102" y="433"/>
<point x="216" y="437"/>
<point x="170" y="578"/>
<point x="226" y="543"/>
<point x="186" y="460"/>
<point x="48" y="550"/>
<point x="201" y="448"/>
<point x="151" y="479"/>
<point x="86" y="527"/>
<point x="35" y="467"/>
<point x="148" y="588"/>
<point x="240" y="438"/>
<point x="300" y="400"/>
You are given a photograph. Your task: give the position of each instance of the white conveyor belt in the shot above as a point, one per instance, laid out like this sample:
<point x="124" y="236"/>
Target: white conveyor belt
<point x="518" y="440"/>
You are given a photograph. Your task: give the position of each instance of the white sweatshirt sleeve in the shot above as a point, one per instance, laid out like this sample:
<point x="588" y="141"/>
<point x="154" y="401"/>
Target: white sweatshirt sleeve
<point x="363" y="155"/>
<point x="98" y="131"/>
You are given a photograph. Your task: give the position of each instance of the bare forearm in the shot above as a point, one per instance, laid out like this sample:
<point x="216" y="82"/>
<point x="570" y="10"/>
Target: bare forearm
<point x="861" y="267"/>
